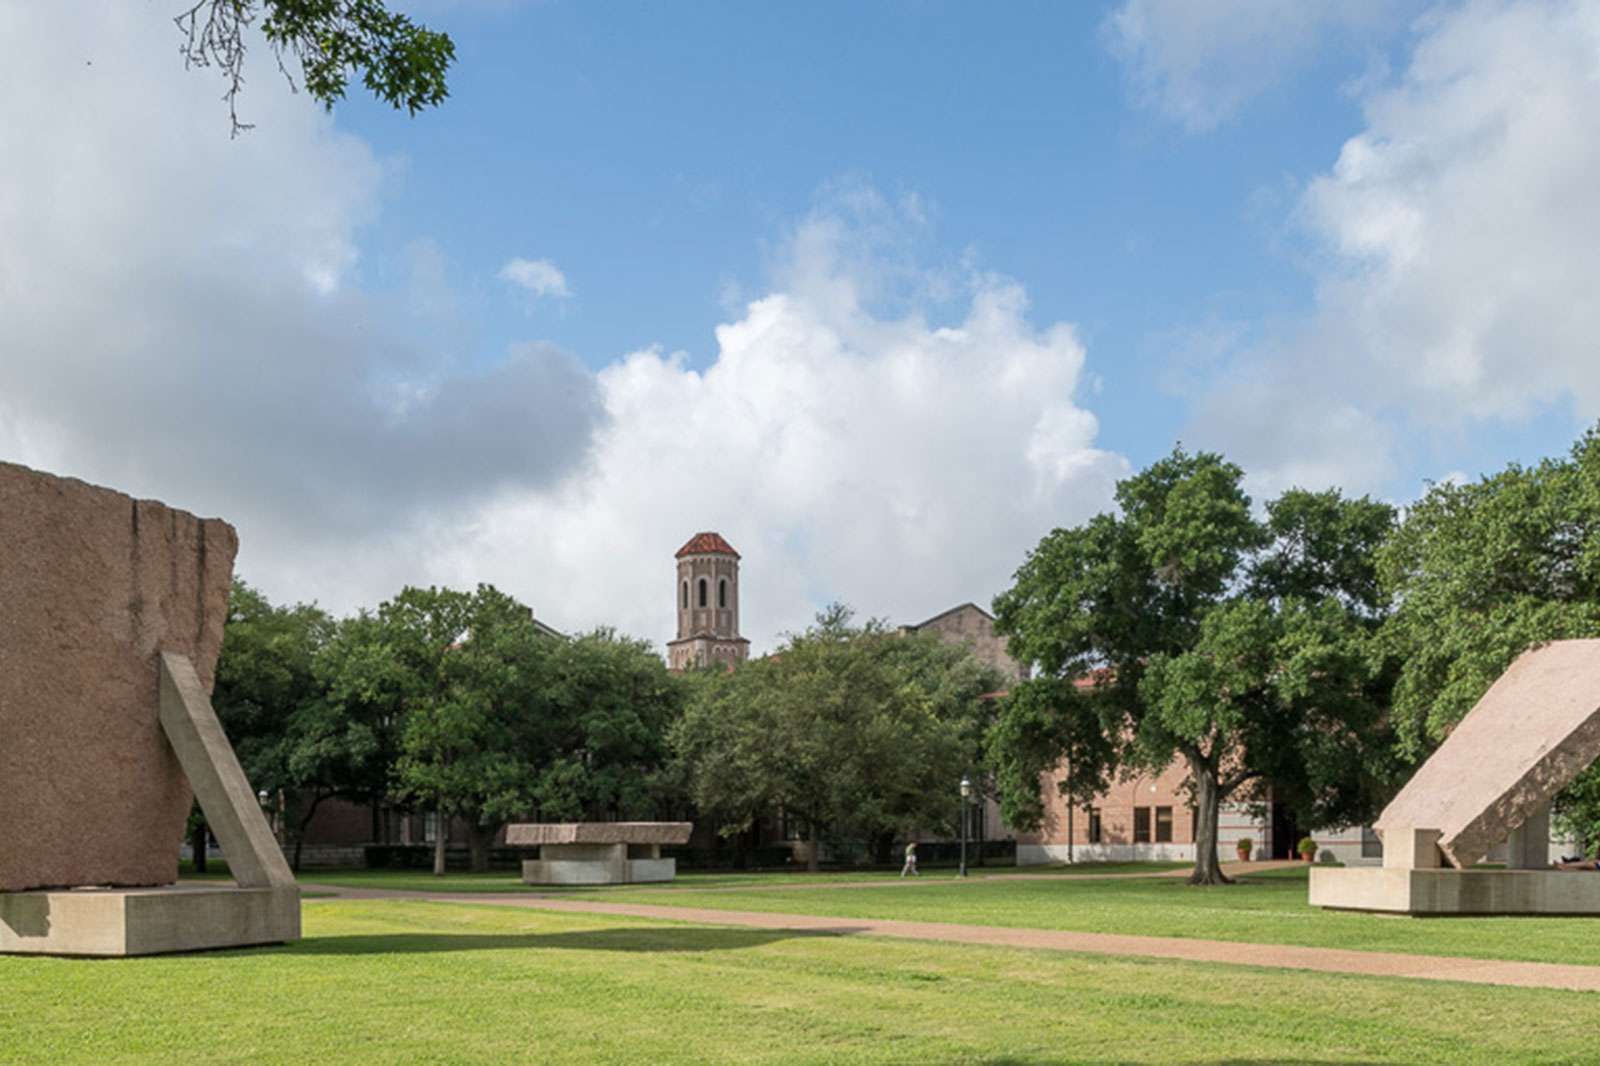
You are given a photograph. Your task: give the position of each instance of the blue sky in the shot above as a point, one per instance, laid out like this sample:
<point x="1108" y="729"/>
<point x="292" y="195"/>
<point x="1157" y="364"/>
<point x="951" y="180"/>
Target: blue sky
<point x="654" y="152"/>
<point x="881" y="291"/>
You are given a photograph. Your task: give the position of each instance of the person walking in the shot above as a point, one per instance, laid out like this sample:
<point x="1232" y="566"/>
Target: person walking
<point x="911" y="861"/>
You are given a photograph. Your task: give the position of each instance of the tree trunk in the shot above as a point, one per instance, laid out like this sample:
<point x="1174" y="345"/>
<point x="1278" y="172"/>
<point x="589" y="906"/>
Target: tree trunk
<point x="816" y="848"/>
<point x="197" y="844"/>
<point x="300" y="833"/>
<point x="1207" y="799"/>
<point x="478" y="840"/>
<point x="883" y="849"/>
<point x="438" y="843"/>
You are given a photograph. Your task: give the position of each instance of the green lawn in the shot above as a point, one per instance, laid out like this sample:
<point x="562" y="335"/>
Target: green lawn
<point x="1268" y="908"/>
<point x="390" y="982"/>
<point x="502" y="881"/>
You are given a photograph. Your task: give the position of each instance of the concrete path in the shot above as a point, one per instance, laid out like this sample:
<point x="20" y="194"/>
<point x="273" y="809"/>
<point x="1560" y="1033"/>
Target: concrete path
<point x="1280" y="956"/>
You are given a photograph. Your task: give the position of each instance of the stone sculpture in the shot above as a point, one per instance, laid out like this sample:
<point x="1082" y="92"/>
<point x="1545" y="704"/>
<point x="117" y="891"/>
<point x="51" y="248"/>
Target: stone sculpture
<point x="111" y="617"/>
<point x="1490" y="782"/>
<point x="598" y="853"/>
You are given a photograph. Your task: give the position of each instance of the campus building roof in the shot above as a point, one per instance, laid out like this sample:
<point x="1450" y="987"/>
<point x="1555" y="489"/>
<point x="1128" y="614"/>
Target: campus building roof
<point x="707" y="544"/>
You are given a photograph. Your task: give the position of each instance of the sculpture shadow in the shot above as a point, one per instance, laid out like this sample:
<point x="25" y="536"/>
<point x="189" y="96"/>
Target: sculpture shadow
<point x="626" y="940"/>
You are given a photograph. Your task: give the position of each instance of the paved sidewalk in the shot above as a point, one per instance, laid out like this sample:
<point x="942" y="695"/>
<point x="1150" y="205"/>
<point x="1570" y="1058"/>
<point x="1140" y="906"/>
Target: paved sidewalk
<point x="1280" y="956"/>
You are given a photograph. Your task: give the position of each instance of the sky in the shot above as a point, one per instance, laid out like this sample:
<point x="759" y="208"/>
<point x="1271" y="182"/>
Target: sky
<point x="883" y="292"/>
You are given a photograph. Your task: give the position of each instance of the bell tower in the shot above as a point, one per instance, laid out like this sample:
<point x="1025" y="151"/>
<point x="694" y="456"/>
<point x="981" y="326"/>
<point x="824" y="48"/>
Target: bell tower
<point x="707" y="594"/>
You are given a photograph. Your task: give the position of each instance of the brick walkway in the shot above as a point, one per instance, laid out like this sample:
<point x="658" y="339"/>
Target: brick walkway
<point x="1280" y="956"/>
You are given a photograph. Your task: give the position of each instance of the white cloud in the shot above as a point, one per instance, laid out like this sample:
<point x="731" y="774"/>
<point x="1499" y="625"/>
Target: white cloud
<point x="1200" y="63"/>
<point x="186" y="317"/>
<point x="539" y="276"/>
<point x="1459" y="236"/>
<point x="183" y="315"/>
<point x="876" y="458"/>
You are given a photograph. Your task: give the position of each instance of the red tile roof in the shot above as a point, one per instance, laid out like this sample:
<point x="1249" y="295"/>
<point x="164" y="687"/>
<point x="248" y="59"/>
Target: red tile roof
<point x="707" y="544"/>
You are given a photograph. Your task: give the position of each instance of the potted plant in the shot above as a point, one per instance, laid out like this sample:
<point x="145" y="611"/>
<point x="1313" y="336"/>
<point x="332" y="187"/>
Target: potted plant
<point x="1308" y="849"/>
<point x="1244" y="845"/>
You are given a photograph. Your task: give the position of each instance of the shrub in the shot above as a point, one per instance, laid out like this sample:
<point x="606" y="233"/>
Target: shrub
<point x="1307" y="846"/>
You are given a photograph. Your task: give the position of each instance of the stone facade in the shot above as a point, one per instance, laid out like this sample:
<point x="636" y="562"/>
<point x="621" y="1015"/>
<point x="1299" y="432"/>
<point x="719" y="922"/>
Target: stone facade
<point x="971" y="625"/>
<point x="94" y="585"/>
<point x="707" y="596"/>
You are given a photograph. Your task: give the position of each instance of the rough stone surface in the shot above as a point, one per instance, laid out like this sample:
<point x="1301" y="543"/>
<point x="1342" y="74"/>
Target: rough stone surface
<point x="1536" y="729"/>
<point x="529" y="834"/>
<point x="93" y="586"/>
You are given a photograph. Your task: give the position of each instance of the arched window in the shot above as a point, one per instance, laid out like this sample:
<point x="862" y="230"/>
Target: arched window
<point x="686" y="595"/>
<point x="702" y="592"/>
<point x="722" y="592"/>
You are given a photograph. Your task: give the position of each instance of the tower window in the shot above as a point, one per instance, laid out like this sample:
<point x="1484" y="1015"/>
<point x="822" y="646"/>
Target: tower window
<point x="686" y="595"/>
<point x="702" y="592"/>
<point x="722" y="593"/>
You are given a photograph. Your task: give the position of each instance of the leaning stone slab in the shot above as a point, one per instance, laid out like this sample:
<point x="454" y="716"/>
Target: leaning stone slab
<point x="1535" y="730"/>
<point x="540" y="833"/>
<point x="94" y="586"/>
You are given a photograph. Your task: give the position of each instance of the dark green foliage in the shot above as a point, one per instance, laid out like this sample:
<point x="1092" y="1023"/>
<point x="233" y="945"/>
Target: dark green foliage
<point x="1481" y="572"/>
<point x="855" y="730"/>
<point x="1185" y="627"/>
<point x="401" y="63"/>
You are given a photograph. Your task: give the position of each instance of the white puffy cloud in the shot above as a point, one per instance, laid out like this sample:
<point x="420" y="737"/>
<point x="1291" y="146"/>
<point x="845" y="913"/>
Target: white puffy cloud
<point x="847" y="453"/>
<point x="187" y="317"/>
<point x="538" y="276"/>
<point x="1199" y="63"/>
<point x="1459" y="238"/>
<point x="183" y="315"/>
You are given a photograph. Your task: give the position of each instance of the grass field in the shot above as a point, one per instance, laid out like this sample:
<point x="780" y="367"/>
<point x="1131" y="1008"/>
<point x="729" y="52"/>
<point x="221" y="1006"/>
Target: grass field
<point x="505" y="881"/>
<point x="395" y="982"/>
<point x="1268" y="908"/>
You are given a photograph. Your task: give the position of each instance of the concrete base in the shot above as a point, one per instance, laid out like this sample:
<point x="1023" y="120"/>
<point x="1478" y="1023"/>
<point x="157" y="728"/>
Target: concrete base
<point x="146" y="921"/>
<point x="1391" y="890"/>
<point x="595" y="864"/>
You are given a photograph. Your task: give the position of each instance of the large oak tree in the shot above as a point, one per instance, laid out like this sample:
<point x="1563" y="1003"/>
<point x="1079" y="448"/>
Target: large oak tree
<point x="1186" y="628"/>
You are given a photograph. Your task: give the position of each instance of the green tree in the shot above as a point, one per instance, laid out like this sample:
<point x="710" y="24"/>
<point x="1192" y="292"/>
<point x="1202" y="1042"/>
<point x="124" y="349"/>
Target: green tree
<point x="607" y="703"/>
<point x="1480" y="573"/>
<point x="852" y="730"/>
<point x="1186" y="628"/>
<point x="400" y="62"/>
<point x="266" y="690"/>
<point x="465" y="671"/>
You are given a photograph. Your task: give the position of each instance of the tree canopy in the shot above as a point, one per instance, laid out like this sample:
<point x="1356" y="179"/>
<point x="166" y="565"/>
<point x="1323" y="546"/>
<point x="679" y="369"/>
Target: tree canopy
<point x="400" y="62"/>
<point x="1187" y="627"/>
<point x="1481" y="572"/>
<point x="855" y="731"/>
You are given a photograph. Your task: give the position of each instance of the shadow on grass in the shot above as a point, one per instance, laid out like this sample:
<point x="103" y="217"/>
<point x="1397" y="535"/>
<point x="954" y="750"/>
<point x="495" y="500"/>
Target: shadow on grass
<point x="623" y="940"/>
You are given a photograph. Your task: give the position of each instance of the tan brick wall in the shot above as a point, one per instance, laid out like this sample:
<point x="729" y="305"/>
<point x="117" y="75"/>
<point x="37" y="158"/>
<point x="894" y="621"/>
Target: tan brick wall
<point x="970" y="626"/>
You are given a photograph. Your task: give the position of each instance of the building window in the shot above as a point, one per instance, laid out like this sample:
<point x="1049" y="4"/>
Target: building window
<point x="1163" y="825"/>
<point x="1371" y="844"/>
<point x="722" y="593"/>
<point x="1141" y="825"/>
<point x="1094" y="825"/>
<point x="686" y="595"/>
<point x="702" y="592"/>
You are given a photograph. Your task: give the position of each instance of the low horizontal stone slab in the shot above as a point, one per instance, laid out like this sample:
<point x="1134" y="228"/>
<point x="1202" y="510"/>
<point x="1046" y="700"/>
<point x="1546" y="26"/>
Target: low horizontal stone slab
<point x="539" y="833"/>
<point x="1445" y="891"/>
<point x="146" y="921"/>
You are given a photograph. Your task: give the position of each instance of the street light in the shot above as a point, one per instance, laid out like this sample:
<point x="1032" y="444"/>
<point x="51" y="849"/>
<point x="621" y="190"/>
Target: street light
<point x="966" y="791"/>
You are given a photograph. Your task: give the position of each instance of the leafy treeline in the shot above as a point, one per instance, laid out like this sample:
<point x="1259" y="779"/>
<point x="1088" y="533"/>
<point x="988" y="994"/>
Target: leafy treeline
<point x="1321" y="646"/>
<point x="860" y="732"/>
<point x="457" y="704"/>
<point x="447" y="702"/>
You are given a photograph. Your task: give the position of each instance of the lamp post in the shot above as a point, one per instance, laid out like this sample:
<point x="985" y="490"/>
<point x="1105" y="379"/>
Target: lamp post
<point x="966" y="791"/>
